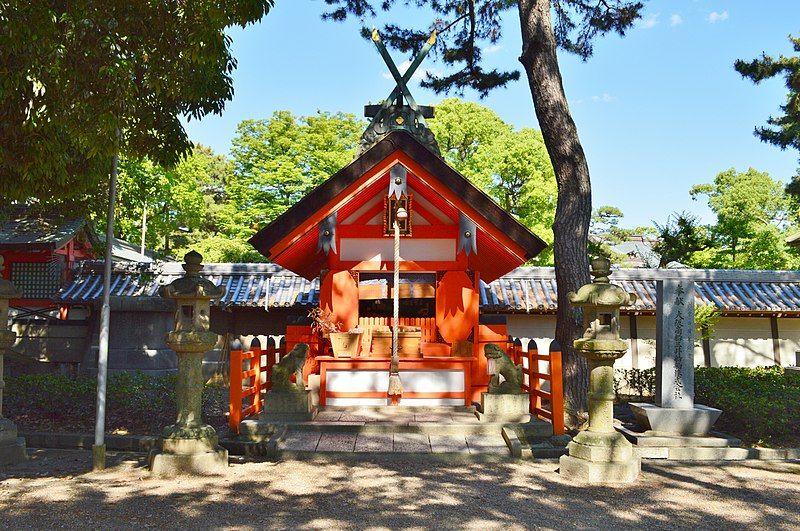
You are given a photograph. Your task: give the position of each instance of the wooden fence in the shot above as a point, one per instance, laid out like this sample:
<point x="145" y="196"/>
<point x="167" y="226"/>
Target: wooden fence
<point x="251" y="373"/>
<point x="532" y="384"/>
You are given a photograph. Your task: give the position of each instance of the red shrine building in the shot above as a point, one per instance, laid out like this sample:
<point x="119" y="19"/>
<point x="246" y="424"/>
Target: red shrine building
<point x="454" y="237"/>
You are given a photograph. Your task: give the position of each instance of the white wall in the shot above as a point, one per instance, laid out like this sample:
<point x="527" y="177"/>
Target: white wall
<point x="789" y="332"/>
<point x="737" y="341"/>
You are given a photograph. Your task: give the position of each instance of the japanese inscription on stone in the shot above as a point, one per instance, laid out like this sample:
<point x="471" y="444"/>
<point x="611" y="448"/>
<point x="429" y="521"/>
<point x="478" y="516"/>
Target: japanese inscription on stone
<point x="675" y="344"/>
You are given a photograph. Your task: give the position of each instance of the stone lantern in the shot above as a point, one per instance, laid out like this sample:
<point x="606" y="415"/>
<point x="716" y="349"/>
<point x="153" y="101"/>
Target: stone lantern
<point x="190" y="446"/>
<point x="12" y="448"/>
<point x="601" y="454"/>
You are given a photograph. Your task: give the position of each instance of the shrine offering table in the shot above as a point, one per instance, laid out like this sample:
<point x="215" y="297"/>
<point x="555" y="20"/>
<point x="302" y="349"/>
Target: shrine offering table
<point x="364" y="381"/>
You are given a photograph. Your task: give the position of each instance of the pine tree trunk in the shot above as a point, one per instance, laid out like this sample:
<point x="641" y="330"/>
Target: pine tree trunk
<point x="574" y="207"/>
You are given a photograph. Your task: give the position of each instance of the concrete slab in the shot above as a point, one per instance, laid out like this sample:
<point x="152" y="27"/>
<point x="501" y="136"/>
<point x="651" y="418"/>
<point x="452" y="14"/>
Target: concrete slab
<point x="480" y="444"/>
<point x="328" y="416"/>
<point x="655" y="439"/>
<point x="449" y="444"/>
<point x="337" y="442"/>
<point x="375" y="442"/>
<point x="411" y="442"/>
<point x="300" y="441"/>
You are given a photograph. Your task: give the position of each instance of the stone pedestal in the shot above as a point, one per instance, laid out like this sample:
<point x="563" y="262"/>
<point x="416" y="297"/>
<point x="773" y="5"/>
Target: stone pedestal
<point x="12" y="448"/>
<point x="601" y="454"/>
<point x="696" y="421"/>
<point x="189" y="446"/>
<point x="280" y="407"/>
<point x="511" y="408"/>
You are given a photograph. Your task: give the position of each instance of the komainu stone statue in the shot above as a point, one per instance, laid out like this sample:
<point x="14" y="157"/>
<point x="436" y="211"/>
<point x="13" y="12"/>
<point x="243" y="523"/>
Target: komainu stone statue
<point x="505" y="367"/>
<point x="290" y="364"/>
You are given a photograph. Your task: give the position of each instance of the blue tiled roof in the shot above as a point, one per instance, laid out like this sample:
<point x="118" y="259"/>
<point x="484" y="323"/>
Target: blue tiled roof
<point x="525" y="290"/>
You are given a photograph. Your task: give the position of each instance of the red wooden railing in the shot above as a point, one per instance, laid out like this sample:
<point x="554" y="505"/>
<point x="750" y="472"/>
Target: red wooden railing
<point x="555" y="396"/>
<point x="247" y="383"/>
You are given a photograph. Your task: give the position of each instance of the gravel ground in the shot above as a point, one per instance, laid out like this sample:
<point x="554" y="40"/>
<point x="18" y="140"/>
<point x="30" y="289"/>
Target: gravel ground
<point x="53" y="490"/>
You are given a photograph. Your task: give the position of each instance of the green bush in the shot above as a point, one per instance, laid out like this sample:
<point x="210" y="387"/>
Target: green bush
<point x="759" y="405"/>
<point x="641" y="381"/>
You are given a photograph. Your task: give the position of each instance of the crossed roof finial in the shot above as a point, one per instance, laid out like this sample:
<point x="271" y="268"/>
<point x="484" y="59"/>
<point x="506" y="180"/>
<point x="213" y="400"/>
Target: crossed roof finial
<point x="399" y="111"/>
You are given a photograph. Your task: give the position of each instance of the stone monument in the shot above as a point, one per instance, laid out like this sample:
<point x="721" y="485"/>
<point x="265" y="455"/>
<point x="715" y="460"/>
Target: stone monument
<point x="601" y="454"/>
<point x="12" y="448"/>
<point x="674" y="411"/>
<point x="505" y="401"/>
<point x="189" y="446"/>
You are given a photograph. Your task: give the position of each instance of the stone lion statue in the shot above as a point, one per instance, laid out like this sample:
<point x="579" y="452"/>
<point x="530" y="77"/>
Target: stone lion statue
<point x="505" y="367"/>
<point x="292" y="363"/>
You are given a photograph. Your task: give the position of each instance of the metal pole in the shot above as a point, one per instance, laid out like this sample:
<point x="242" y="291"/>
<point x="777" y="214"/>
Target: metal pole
<point x="144" y="227"/>
<point x="99" y="448"/>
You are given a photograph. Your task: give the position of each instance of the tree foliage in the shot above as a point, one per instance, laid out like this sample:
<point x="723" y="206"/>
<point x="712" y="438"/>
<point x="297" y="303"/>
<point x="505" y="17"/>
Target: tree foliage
<point x="278" y="161"/>
<point x="512" y="167"/>
<point x="73" y="73"/>
<point x="753" y="213"/>
<point x="681" y="239"/>
<point x="783" y="130"/>
<point x="472" y="25"/>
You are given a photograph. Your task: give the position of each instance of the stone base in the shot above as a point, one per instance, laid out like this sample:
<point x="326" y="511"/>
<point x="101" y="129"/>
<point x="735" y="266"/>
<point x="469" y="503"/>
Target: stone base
<point x="600" y="457"/>
<point x="654" y="445"/>
<point x="664" y="420"/>
<point x="504" y="408"/>
<point x="584" y="471"/>
<point x="212" y="463"/>
<point x="13" y="453"/>
<point x="12" y="448"/>
<point x="286" y="406"/>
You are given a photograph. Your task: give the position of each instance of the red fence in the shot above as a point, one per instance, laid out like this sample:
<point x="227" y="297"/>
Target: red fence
<point x="533" y="384"/>
<point x="251" y="373"/>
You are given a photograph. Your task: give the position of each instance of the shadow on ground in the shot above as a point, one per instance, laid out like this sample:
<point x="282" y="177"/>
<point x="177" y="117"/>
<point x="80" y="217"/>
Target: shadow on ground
<point x="393" y="492"/>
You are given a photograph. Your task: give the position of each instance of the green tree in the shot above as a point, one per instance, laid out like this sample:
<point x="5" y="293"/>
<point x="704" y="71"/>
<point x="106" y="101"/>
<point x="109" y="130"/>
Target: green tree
<point x="461" y="127"/>
<point x="783" y="130"/>
<point x="683" y="239"/>
<point x="753" y="212"/>
<point x="514" y="169"/>
<point x="278" y="161"/>
<point x="173" y="199"/>
<point x="73" y="73"/>
<point x="545" y="26"/>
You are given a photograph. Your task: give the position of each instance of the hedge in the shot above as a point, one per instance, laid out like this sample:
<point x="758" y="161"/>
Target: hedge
<point x="760" y="405"/>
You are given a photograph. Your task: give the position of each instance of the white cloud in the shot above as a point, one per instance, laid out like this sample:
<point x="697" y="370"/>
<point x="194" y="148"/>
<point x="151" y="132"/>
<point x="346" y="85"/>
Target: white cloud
<point x="675" y="20"/>
<point x="494" y="48"/>
<point x="715" y="17"/>
<point x="649" y="22"/>
<point x="604" y="98"/>
<point x="419" y="75"/>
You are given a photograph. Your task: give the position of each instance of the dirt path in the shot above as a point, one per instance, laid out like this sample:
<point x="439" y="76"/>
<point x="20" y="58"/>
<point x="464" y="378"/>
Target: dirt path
<point x="52" y="490"/>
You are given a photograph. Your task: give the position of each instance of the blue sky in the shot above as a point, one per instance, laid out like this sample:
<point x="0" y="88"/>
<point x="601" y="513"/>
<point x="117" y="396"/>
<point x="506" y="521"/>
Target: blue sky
<point x="657" y="111"/>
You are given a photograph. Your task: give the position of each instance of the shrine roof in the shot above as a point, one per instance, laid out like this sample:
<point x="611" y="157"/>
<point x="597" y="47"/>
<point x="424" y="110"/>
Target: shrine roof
<point x="319" y="199"/>
<point x="33" y="233"/>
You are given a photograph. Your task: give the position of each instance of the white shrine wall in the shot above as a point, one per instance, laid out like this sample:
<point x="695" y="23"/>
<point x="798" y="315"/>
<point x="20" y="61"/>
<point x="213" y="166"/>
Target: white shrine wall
<point x="737" y="341"/>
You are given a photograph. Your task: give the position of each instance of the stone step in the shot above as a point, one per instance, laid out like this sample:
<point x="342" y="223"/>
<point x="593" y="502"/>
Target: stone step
<point x="410" y="444"/>
<point x="428" y="428"/>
